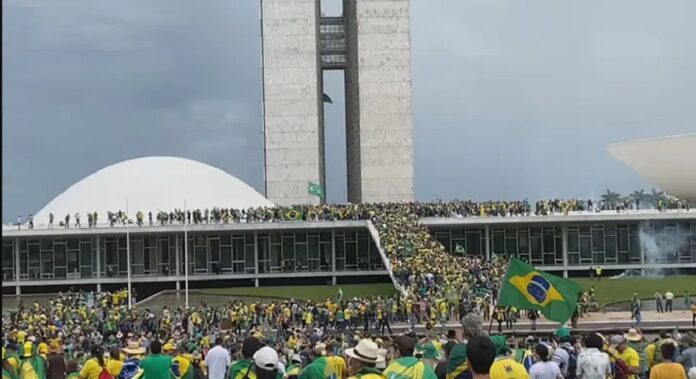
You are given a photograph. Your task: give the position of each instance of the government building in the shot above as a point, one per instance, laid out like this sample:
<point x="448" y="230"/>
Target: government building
<point x="44" y="260"/>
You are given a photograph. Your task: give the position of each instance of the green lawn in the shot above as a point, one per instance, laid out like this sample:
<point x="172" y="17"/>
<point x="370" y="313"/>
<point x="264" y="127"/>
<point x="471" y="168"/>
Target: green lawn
<point x="622" y="289"/>
<point x="306" y="292"/>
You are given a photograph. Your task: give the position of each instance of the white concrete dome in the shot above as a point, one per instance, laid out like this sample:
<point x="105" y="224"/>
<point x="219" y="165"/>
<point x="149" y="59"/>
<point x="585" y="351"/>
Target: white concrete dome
<point x="669" y="162"/>
<point x="151" y="184"/>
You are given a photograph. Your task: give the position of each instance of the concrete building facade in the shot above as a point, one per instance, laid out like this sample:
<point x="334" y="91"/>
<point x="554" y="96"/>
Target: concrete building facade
<point x="370" y="42"/>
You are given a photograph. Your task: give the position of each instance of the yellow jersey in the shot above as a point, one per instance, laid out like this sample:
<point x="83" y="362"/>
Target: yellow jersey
<point x="507" y="368"/>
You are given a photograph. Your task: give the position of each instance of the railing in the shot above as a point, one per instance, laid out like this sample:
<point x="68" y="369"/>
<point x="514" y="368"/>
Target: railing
<point x="387" y="264"/>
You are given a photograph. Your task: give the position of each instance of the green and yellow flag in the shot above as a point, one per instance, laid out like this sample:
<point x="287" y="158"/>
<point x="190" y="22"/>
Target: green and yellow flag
<point x="315" y="189"/>
<point x="293" y="214"/>
<point x="526" y="288"/>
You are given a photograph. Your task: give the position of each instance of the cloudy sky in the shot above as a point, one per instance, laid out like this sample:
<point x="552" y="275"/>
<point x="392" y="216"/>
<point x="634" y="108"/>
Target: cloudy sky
<point x="511" y="99"/>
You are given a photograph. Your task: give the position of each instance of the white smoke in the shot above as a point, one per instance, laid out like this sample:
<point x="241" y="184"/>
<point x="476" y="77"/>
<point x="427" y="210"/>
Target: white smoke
<point x="661" y="248"/>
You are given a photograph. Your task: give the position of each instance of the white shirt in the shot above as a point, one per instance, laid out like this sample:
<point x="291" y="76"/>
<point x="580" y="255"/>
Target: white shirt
<point x="545" y="370"/>
<point x="217" y="360"/>
<point x="593" y="364"/>
<point x="669" y="296"/>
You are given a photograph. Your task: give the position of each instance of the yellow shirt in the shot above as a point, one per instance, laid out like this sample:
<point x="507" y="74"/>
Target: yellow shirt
<point x="507" y="368"/>
<point x="668" y="371"/>
<point x="337" y="365"/>
<point x="91" y="369"/>
<point x="650" y="354"/>
<point x="632" y="359"/>
<point x="21" y="336"/>
<point x="114" y="367"/>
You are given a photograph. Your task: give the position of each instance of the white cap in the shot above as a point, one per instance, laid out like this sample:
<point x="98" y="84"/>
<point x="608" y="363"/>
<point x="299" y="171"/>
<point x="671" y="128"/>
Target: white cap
<point x="296" y="358"/>
<point x="266" y="358"/>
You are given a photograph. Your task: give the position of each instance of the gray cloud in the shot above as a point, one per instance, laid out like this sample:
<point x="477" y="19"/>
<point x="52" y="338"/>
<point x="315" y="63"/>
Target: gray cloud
<point x="510" y="99"/>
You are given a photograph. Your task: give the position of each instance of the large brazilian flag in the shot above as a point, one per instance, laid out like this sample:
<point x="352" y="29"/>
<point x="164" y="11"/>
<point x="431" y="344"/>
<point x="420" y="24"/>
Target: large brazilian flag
<point x="293" y="214"/>
<point x="526" y="288"/>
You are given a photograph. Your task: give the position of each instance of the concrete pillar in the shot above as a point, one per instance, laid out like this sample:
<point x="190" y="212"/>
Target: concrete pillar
<point x="564" y="248"/>
<point x="333" y="280"/>
<point x="98" y="263"/>
<point x="333" y="250"/>
<point x="18" y="290"/>
<point x="99" y="287"/>
<point x="565" y="273"/>
<point x="256" y="282"/>
<point x="488" y="242"/>
<point x="256" y="257"/>
<point x="177" y="248"/>
<point x="16" y="254"/>
<point x="178" y="285"/>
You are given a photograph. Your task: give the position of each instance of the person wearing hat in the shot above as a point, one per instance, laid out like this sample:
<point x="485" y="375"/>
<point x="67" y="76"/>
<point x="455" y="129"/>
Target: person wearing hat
<point x="406" y="365"/>
<point x="55" y="361"/>
<point x="565" y="351"/>
<point x="503" y="366"/>
<point x="266" y="364"/>
<point x="619" y="349"/>
<point x="156" y="365"/>
<point x="33" y="366"/>
<point x="294" y="368"/>
<point x="362" y="360"/>
<point x="241" y="369"/>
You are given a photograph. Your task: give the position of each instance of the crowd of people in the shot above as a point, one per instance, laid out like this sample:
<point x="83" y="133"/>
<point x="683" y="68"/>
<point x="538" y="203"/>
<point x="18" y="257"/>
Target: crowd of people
<point x="98" y="336"/>
<point x="335" y="212"/>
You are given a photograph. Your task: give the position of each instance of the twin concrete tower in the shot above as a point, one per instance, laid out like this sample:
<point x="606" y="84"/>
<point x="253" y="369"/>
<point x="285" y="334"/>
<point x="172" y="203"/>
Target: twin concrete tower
<point x="370" y="42"/>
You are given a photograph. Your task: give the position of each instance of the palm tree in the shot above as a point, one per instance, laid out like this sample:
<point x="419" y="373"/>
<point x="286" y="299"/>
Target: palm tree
<point x="638" y="197"/>
<point x="654" y="197"/>
<point x="611" y="198"/>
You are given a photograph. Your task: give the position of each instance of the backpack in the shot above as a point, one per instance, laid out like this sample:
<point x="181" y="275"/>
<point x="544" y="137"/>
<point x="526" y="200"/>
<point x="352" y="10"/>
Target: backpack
<point x="620" y="369"/>
<point x="572" y="363"/>
<point x="104" y="374"/>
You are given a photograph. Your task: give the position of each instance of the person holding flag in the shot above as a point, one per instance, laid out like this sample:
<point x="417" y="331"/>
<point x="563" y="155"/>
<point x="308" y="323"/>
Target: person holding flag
<point x="524" y="287"/>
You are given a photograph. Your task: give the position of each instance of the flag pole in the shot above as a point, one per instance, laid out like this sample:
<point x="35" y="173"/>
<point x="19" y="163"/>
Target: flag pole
<point x="128" y="263"/>
<point x="186" y="264"/>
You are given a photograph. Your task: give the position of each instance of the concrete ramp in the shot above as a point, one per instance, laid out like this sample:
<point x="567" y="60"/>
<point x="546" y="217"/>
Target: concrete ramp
<point x="387" y="264"/>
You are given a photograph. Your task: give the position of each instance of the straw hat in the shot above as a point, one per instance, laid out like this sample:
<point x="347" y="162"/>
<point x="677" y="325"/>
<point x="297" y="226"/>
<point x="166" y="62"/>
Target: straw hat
<point x="133" y="348"/>
<point x="366" y="351"/>
<point x="633" y="335"/>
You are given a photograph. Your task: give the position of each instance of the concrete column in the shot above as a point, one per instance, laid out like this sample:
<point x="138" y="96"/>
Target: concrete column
<point x="99" y="288"/>
<point x="16" y="254"/>
<point x="177" y="248"/>
<point x="256" y="257"/>
<point x="18" y="290"/>
<point x="564" y="249"/>
<point x="488" y="242"/>
<point x="333" y="280"/>
<point x="565" y="273"/>
<point x="642" y="252"/>
<point x="178" y="285"/>
<point x="256" y="282"/>
<point x="98" y="263"/>
<point x="333" y="252"/>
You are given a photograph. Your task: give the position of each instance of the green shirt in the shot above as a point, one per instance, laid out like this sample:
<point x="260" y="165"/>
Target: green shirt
<point x="240" y="368"/>
<point x="157" y="366"/>
<point x="318" y="369"/>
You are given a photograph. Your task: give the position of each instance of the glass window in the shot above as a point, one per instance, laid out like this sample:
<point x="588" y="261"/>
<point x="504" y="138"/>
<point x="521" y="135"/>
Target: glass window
<point x="549" y="244"/>
<point x="573" y="242"/>
<point x="597" y="239"/>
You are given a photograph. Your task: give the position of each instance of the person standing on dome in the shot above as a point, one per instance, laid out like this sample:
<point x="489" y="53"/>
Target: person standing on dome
<point x="77" y="220"/>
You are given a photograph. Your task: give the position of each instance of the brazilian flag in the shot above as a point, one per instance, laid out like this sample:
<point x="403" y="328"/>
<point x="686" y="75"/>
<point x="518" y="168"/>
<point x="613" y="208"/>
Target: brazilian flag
<point x="526" y="288"/>
<point x="457" y="367"/>
<point x="293" y="214"/>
